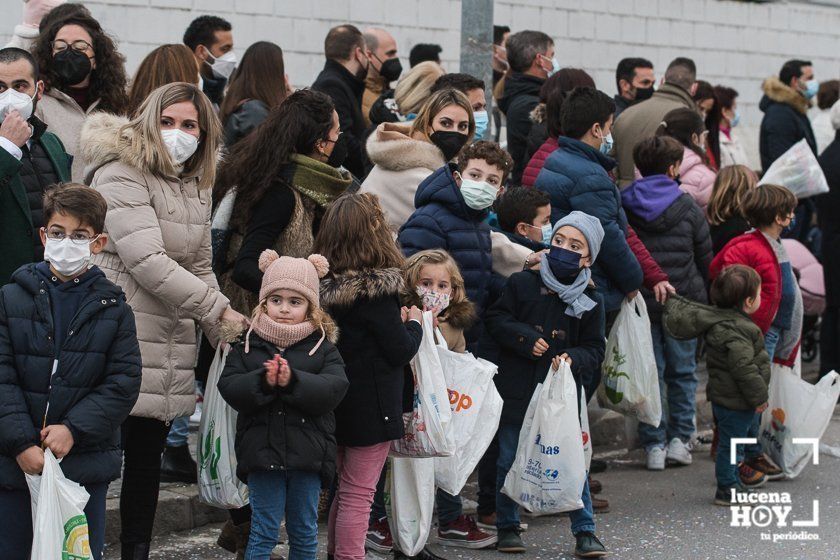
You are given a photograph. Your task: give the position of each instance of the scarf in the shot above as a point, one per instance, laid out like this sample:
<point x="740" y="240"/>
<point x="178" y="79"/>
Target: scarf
<point x="319" y="181"/>
<point x="279" y="334"/>
<point x="577" y="303"/>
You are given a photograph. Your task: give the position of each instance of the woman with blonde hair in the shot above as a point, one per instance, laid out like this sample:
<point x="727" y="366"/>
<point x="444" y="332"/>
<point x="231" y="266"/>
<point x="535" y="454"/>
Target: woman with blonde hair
<point x="155" y="172"/>
<point x="414" y="88"/>
<point x="164" y="65"/>
<point x="725" y="211"/>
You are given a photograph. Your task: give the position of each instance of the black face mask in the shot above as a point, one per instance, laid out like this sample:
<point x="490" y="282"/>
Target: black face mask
<point x="643" y="93"/>
<point x="449" y="142"/>
<point x="339" y="152"/>
<point x="391" y="69"/>
<point x="71" y="66"/>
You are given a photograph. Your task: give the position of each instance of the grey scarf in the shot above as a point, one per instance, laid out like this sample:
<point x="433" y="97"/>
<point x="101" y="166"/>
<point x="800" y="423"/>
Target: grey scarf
<point x="577" y="303"/>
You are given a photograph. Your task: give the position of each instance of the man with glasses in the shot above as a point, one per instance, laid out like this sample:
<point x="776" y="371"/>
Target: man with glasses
<point x="31" y="160"/>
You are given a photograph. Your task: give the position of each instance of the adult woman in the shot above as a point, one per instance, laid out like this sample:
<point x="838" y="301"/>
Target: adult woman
<point x="406" y="153"/>
<point x="696" y="177"/>
<point x="709" y="107"/>
<point x="164" y="65"/>
<point x="827" y="96"/>
<point x="413" y="89"/>
<point x="731" y="150"/>
<point x="828" y="213"/>
<point x="258" y="85"/>
<point x="725" y="212"/>
<point x="82" y="72"/>
<point x="155" y="172"/>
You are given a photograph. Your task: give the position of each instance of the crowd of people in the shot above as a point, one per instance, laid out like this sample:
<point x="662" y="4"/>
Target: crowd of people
<point x="146" y="220"/>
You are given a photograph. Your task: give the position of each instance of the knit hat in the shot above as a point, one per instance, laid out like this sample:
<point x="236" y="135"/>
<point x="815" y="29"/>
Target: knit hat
<point x="300" y="275"/>
<point x="589" y="226"/>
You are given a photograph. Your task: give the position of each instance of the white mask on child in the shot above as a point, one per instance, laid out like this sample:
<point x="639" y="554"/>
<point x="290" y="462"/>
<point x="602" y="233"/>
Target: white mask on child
<point x="67" y="257"/>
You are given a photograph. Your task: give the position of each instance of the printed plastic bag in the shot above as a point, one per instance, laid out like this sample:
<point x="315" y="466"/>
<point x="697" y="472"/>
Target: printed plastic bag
<point x="427" y="425"/>
<point x="630" y="384"/>
<point x="798" y="171"/>
<point x="796" y="409"/>
<point x="476" y="409"/>
<point x="59" y="525"/>
<point x="217" y="482"/>
<point x="412" y="493"/>
<point x="584" y="431"/>
<point x="549" y="471"/>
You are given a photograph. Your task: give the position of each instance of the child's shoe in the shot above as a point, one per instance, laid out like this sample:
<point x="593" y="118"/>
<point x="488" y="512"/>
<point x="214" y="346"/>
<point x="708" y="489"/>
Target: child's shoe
<point x="463" y="532"/>
<point x="510" y="541"/>
<point x="750" y="477"/>
<point x="599" y="505"/>
<point x="656" y="459"/>
<point x="587" y="545"/>
<point x="762" y="464"/>
<point x="379" y="536"/>
<point x="723" y="494"/>
<point x="678" y="452"/>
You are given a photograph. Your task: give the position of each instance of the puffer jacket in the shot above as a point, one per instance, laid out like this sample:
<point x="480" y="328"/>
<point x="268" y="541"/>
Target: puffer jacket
<point x="93" y="389"/>
<point x="159" y="253"/>
<point x="521" y="95"/>
<point x="537" y="161"/>
<point x="241" y="122"/>
<point x="444" y="221"/>
<point x="696" y="178"/>
<point x="292" y="427"/>
<point x="676" y="233"/>
<point x="785" y="121"/>
<point x="736" y="359"/>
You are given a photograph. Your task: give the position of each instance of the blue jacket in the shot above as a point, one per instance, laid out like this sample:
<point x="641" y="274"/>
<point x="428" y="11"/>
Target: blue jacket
<point x="575" y="177"/>
<point x="444" y="221"/>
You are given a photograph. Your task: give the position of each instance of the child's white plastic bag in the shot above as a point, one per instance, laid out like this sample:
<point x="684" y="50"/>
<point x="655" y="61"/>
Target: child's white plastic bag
<point x="59" y="524"/>
<point x="218" y="484"/>
<point x="796" y="409"/>
<point x="427" y="425"/>
<point x="584" y="431"/>
<point x="798" y="171"/>
<point x="549" y="471"/>
<point x="476" y="409"/>
<point x="630" y="383"/>
<point x="412" y="493"/>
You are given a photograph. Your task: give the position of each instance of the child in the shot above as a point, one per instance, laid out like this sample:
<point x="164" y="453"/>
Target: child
<point x="524" y="216"/>
<point x="379" y="338"/>
<point x="67" y="338"/>
<point x="738" y="364"/>
<point x="696" y="177"/>
<point x="543" y="317"/>
<point x="726" y="206"/>
<point x="674" y="230"/>
<point x="285" y="379"/>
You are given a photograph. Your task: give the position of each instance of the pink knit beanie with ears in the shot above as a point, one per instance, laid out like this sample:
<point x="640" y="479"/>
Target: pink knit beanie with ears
<point x="300" y="275"/>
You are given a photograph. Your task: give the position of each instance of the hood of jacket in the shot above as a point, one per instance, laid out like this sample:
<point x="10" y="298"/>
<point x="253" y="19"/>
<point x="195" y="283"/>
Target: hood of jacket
<point x="685" y="319"/>
<point x="649" y="197"/>
<point x="343" y="290"/>
<point x="531" y="245"/>
<point x="517" y="84"/>
<point x="28" y="278"/>
<point x="392" y="147"/>
<point x="775" y="91"/>
<point x="440" y="188"/>
<point x="670" y="217"/>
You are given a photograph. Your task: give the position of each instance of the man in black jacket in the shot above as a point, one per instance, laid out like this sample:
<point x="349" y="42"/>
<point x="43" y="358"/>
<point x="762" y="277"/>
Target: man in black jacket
<point x="210" y="38"/>
<point x="343" y="79"/>
<point x="531" y="58"/>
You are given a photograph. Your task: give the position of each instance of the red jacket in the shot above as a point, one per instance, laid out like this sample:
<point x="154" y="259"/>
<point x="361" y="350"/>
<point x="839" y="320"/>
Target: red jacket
<point x="529" y="176"/>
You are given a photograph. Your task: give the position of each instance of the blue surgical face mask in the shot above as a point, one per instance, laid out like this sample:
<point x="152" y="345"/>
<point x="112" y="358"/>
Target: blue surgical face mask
<point x="564" y="264"/>
<point x="607" y="144"/>
<point x="790" y="226"/>
<point x="545" y="231"/>
<point x="735" y="120"/>
<point x="812" y="86"/>
<point x="479" y="195"/>
<point x="481" y="122"/>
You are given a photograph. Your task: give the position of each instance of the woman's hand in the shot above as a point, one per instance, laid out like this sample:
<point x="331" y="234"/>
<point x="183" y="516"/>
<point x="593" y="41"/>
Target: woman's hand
<point x="414" y="314"/>
<point x="231" y="316"/>
<point x="663" y="291"/>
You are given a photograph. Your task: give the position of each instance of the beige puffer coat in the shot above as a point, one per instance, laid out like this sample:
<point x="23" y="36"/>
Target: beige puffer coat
<point x="159" y="253"/>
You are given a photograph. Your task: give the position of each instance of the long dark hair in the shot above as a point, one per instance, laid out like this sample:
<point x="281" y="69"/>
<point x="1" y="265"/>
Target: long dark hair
<point x="681" y="124"/>
<point x="107" y="81"/>
<point x="255" y="162"/>
<point x="712" y="122"/>
<point x="260" y="75"/>
<point x="554" y="90"/>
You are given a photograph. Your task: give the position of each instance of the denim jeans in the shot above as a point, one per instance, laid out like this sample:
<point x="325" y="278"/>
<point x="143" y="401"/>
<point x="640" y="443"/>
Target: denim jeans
<point x="507" y="511"/>
<point x="179" y="431"/>
<point x="771" y="340"/>
<point x="676" y="365"/>
<point x="731" y="424"/>
<point x="274" y="494"/>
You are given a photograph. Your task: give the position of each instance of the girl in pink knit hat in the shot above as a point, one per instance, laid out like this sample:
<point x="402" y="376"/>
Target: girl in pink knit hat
<point x="285" y="379"/>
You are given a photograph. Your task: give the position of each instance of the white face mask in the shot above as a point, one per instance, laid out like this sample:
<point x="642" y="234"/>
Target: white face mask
<point x="67" y="257"/>
<point x="11" y="100"/>
<point x="478" y="195"/>
<point x="181" y="146"/>
<point x="223" y="66"/>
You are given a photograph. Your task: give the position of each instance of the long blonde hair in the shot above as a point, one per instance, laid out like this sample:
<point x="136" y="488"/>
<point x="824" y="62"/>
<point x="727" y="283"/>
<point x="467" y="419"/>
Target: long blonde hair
<point x="414" y="88"/>
<point x="731" y="186"/>
<point x="148" y="146"/>
<point x="435" y="104"/>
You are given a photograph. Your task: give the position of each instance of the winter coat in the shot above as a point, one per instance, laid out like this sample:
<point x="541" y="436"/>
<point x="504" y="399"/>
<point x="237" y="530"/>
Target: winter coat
<point x="640" y="121"/>
<point x="785" y="121"/>
<point x="241" y="122"/>
<point x="575" y="177"/>
<point x="537" y="161"/>
<point x="285" y="428"/>
<point x="20" y="191"/>
<point x="444" y="221"/>
<point x="828" y="212"/>
<point x="374" y="86"/>
<point x="696" y="178"/>
<point x="159" y="253"/>
<point x="375" y="345"/>
<point x="526" y="312"/>
<point x="521" y="95"/>
<point x="620" y="104"/>
<point x="538" y="135"/>
<point x="736" y="359"/>
<point x="452" y="321"/>
<point x="92" y="390"/>
<point x="401" y="163"/>
<point x="730" y="229"/>
<point x="65" y="118"/>
<point x="732" y="151"/>
<point x="675" y="232"/>
<point x="821" y="124"/>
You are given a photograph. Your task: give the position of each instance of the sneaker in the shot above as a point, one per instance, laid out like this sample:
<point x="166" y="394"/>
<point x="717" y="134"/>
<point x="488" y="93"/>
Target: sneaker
<point x="678" y="452"/>
<point x="762" y="464"/>
<point x="510" y="541"/>
<point x="656" y="459"/>
<point x="750" y="477"/>
<point x="587" y="545"/>
<point x="723" y="494"/>
<point x="195" y="419"/>
<point x="463" y="532"/>
<point x="600" y="505"/>
<point x="486" y="522"/>
<point x="595" y="486"/>
<point x="379" y="537"/>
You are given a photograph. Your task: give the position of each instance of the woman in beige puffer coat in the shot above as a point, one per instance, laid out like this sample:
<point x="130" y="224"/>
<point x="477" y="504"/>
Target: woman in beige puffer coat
<point x="158" y="251"/>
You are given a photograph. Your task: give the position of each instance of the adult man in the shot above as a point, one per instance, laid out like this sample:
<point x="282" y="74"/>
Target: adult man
<point x="385" y="67"/>
<point x="641" y="120"/>
<point x="422" y="52"/>
<point x="473" y="88"/>
<point x="210" y="38"/>
<point x="785" y="105"/>
<point x="31" y="160"/>
<point x="531" y="58"/>
<point x="634" y="80"/>
<point x="343" y="79"/>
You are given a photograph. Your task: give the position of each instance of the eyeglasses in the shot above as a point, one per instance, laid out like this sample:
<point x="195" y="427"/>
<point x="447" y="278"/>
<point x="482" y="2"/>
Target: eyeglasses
<point x="77" y="237"/>
<point x="80" y="45"/>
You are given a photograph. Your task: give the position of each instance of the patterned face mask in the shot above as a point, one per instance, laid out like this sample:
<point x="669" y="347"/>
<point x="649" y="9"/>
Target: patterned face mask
<point x="433" y="301"/>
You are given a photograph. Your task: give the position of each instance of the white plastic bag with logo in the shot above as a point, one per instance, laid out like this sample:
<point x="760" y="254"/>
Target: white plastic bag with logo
<point x="427" y="431"/>
<point x="549" y="471"/>
<point x="584" y="431"/>
<point x="59" y="524"/>
<point x="476" y="409"/>
<point x="796" y="409"/>
<point x="630" y="383"/>
<point x="218" y="484"/>
<point x="798" y="171"/>
<point x="412" y="493"/>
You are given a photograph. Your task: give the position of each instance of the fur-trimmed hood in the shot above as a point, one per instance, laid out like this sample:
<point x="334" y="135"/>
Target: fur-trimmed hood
<point x="102" y="141"/>
<point x="392" y="147"/>
<point x="343" y="290"/>
<point x="459" y="315"/>
<point x="777" y="91"/>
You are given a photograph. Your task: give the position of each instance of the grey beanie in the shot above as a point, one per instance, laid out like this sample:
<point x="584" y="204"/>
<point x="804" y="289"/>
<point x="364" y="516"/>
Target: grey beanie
<point x="589" y="226"/>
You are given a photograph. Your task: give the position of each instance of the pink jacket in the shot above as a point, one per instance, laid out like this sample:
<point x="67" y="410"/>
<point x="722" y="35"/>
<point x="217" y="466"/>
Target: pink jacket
<point x="696" y="178"/>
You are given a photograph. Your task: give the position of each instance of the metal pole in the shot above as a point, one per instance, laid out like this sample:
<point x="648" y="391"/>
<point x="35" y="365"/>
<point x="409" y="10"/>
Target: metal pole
<point x="477" y="46"/>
